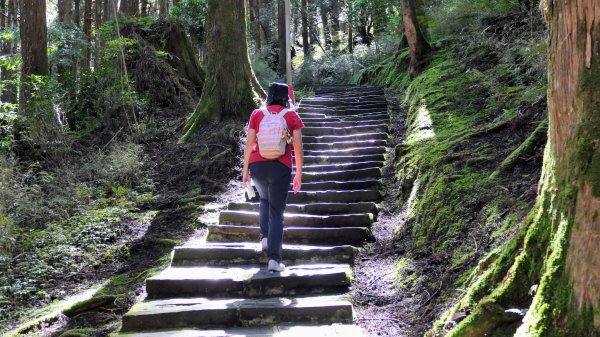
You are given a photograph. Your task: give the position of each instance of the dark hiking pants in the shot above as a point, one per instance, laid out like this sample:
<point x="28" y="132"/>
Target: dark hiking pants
<point x="272" y="180"/>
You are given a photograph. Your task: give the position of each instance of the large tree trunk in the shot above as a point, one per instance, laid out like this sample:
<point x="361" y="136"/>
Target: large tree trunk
<point x="313" y="27"/>
<point x="305" y="40"/>
<point x="9" y="21"/>
<point x="98" y="4"/>
<point x="557" y="247"/>
<point x="87" y="31"/>
<point x="110" y="9"/>
<point x="34" y="44"/>
<point x="77" y="13"/>
<point x="324" y="10"/>
<point x="350" y="28"/>
<point x="65" y="11"/>
<point x="254" y="16"/>
<point x="335" y="23"/>
<point x="263" y="36"/>
<point x="130" y="7"/>
<point x="231" y="86"/>
<point x="418" y="45"/>
<point x="281" y="38"/>
<point x="163" y="8"/>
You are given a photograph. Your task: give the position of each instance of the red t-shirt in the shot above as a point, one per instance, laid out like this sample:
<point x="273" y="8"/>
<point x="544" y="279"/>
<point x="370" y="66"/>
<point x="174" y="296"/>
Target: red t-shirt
<point x="293" y="123"/>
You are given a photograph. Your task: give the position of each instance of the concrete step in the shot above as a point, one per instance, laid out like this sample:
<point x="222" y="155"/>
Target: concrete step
<point x="314" y="208"/>
<point x="207" y="313"/>
<point x="334" y="330"/>
<point x="251" y="218"/>
<point x="249" y="253"/>
<point x="353" y="236"/>
<point x="332" y="159"/>
<point x="249" y="281"/>
<point x="345" y="145"/>
<point x="341" y="185"/>
<point x="369" y="136"/>
<point x="327" y="131"/>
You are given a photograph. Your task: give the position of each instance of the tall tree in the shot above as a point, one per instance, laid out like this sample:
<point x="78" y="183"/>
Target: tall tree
<point x="98" y="19"/>
<point x="335" y="23"/>
<point x="65" y="11"/>
<point x="418" y="45"/>
<point x="231" y="86"/>
<point x="163" y="8"/>
<point x="77" y="13"/>
<point x="87" y="32"/>
<point x="557" y="246"/>
<point x="130" y="7"/>
<point x="110" y="9"/>
<point x="263" y="35"/>
<point x="281" y="38"/>
<point x="34" y="43"/>
<point x="305" y="40"/>
<point x="254" y="14"/>
<point x="324" y="10"/>
<point x="9" y="48"/>
<point x="313" y="29"/>
<point x="350" y="27"/>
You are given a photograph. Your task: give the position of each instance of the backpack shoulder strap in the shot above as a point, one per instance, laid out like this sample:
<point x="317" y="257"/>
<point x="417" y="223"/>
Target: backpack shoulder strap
<point x="265" y="111"/>
<point x="283" y="112"/>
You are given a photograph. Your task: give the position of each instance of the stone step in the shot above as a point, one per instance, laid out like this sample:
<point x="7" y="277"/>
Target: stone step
<point x="350" y="151"/>
<point x="341" y="185"/>
<point x="249" y="281"/>
<point x="353" y="236"/>
<point x="314" y="208"/>
<point x="369" y="173"/>
<point x="207" y="313"/>
<point x="365" y="119"/>
<point x="334" y="330"/>
<point x="384" y="117"/>
<point x="341" y="124"/>
<point x="343" y="104"/>
<point x="251" y="218"/>
<point x="328" y="131"/>
<point x="345" y="145"/>
<point x="370" y="136"/>
<point x="341" y="166"/>
<point x="333" y="159"/>
<point x="304" y="197"/>
<point x="249" y="253"/>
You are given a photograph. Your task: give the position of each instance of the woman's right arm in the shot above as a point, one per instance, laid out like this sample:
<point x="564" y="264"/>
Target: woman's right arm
<point x="247" y="151"/>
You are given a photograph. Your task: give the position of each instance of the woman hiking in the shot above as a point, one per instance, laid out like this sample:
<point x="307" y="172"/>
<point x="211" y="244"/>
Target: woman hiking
<point x="268" y="161"/>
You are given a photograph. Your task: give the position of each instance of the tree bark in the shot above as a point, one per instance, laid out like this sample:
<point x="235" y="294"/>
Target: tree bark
<point x="77" y="13"/>
<point x="65" y="11"/>
<point x="313" y="29"/>
<point x="335" y="23"/>
<point x="98" y="4"/>
<point x="163" y="8"/>
<point x="263" y="35"/>
<point x="9" y="90"/>
<point x="231" y="86"/>
<point x="34" y="44"/>
<point x="557" y="247"/>
<point x="110" y="8"/>
<point x="418" y="45"/>
<point x="350" y="28"/>
<point x="281" y="36"/>
<point x="254" y="14"/>
<point x="305" y="40"/>
<point x="324" y="10"/>
<point x="87" y="32"/>
<point x="130" y="7"/>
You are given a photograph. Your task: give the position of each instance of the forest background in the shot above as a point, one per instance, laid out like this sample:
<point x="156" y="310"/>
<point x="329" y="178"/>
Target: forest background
<point x="104" y="168"/>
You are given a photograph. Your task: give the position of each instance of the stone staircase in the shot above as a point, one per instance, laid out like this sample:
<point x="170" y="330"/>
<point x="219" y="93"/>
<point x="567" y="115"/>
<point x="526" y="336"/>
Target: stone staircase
<point x="222" y="288"/>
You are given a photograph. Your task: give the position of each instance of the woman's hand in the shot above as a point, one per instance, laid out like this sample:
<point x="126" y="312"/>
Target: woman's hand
<point x="297" y="182"/>
<point x="246" y="176"/>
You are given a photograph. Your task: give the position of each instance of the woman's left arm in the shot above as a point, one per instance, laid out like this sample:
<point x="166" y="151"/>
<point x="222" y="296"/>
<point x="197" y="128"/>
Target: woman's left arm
<point x="251" y="140"/>
<point x="299" y="157"/>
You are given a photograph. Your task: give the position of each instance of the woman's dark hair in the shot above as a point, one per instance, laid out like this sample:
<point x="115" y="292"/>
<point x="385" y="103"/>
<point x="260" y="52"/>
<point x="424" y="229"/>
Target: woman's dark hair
<point x="278" y="94"/>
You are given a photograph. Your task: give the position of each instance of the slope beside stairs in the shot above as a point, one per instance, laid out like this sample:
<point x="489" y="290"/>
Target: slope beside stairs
<point x="222" y="288"/>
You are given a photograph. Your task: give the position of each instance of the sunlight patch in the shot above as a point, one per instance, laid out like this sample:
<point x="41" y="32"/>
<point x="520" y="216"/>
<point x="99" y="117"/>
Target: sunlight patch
<point x="422" y="127"/>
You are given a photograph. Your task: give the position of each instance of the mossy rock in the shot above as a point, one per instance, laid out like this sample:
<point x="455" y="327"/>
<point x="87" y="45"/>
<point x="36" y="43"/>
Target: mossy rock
<point x="77" y="333"/>
<point x="90" y="304"/>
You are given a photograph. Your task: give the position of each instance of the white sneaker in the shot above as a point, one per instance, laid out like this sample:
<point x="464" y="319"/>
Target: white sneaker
<point x="275" y="266"/>
<point x="264" y="244"/>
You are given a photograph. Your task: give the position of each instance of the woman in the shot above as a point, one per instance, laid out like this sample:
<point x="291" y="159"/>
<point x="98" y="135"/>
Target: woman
<point x="272" y="176"/>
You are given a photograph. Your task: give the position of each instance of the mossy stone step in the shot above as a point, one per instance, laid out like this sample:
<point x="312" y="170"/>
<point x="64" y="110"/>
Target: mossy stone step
<point x="353" y="236"/>
<point x="333" y="196"/>
<point x="334" y="330"/>
<point x="342" y="166"/>
<point x="355" y="151"/>
<point x="314" y="208"/>
<point x="249" y="281"/>
<point x="207" y="313"/>
<point x="334" y="159"/>
<point x="249" y="253"/>
<point x="344" y="104"/>
<point x="350" y="130"/>
<point x="250" y="218"/>
<point x="343" y="124"/>
<point x="352" y="144"/>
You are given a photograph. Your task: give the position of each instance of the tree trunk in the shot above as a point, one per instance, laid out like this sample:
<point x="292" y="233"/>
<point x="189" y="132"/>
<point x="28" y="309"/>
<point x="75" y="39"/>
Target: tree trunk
<point x="110" y="9"/>
<point x="263" y="36"/>
<point x="418" y="45"/>
<point x="163" y="8"/>
<point x="231" y="86"/>
<point x="34" y="44"/>
<point x="87" y="32"/>
<point x="281" y="36"/>
<point x="8" y="75"/>
<point x="557" y="247"/>
<point x="313" y="27"/>
<point x="145" y="8"/>
<point x="98" y="4"/>
<point x="350" y="28"/>
<point x="254" y="13"/>
<point x="65" y="11"/>
<point x="305" y="40"/>
<point x="325" y="21"/>
<point x="130" y="7"/>
<point x="335" y="23"/>
<point x="77" y="13"/>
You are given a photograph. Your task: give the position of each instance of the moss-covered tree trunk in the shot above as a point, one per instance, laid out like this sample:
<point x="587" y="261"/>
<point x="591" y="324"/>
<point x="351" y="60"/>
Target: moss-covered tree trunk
<point x="418" y="45"/>
<point x="557" y="247"/>
<point x="230" y="87"/>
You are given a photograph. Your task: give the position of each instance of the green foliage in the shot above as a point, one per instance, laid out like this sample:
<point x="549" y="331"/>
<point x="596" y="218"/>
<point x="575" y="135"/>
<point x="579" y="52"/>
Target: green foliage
<point x="8" y="117"/>
<point x="65" y="45"/>
<point x="193" y="14"/>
